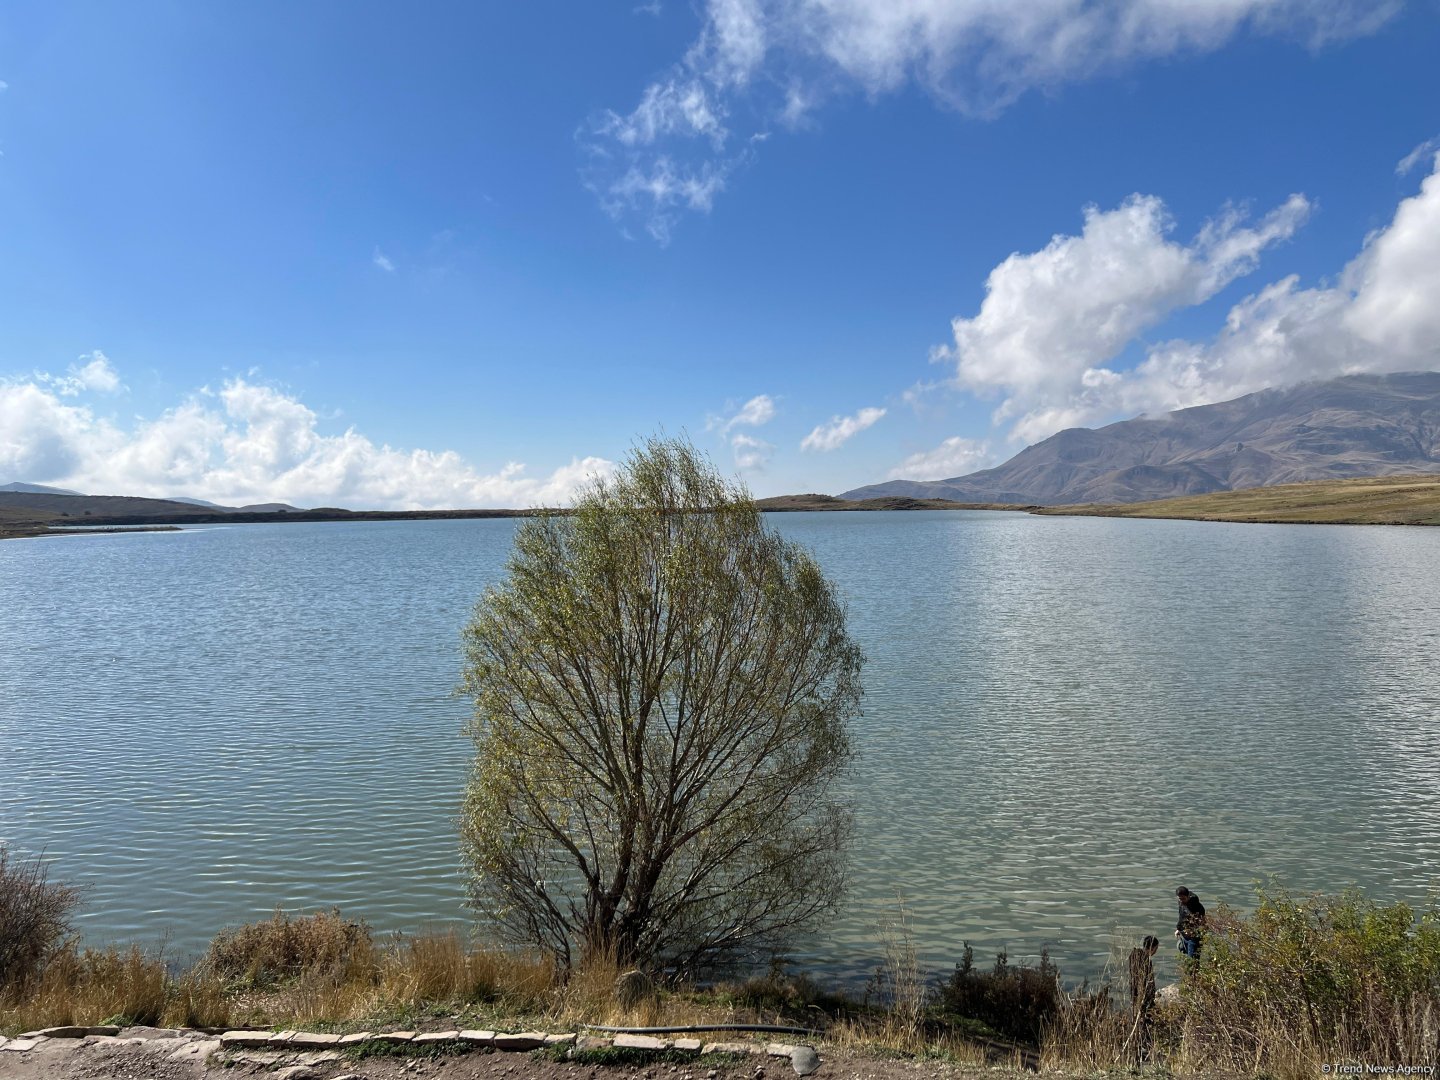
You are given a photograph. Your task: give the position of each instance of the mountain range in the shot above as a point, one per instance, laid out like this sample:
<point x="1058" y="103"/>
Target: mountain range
<point x="1358" y="425"/>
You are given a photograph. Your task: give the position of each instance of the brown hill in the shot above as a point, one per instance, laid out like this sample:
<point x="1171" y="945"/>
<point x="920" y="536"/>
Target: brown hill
<point x="1360" y="425"/>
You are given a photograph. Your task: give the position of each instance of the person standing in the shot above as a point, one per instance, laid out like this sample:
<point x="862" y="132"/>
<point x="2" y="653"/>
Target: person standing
<point x="1191" y="924"/>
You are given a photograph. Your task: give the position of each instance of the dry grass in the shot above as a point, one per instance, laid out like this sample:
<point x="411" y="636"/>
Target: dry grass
<point x="1377" y="500"/>
<point x="91" y="987"/>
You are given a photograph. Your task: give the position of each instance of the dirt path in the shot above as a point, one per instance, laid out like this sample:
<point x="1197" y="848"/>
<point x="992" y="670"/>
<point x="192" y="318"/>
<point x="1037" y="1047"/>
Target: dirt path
<point x="155" y="1054"/>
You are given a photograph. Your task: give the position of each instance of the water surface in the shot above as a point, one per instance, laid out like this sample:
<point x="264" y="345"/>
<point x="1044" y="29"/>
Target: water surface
<point x="1065" y="718"/>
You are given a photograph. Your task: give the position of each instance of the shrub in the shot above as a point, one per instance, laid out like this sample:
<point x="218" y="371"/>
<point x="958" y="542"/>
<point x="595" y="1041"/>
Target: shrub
<point x="284" y="948"/>
<point x="35" y="919"/>
<point x="1314" y="979"/>
<point x="1014" y="1001"/>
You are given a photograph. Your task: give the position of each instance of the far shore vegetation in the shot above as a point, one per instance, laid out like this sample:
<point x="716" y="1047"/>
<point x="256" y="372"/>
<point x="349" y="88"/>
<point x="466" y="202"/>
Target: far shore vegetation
<point x="1371" y="500"/>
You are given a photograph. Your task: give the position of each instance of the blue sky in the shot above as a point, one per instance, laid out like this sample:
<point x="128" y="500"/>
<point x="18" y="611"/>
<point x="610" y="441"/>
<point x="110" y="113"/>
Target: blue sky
<point x="463" y="254"/>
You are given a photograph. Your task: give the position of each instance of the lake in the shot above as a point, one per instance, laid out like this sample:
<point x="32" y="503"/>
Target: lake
<point x="1065" y="718"/>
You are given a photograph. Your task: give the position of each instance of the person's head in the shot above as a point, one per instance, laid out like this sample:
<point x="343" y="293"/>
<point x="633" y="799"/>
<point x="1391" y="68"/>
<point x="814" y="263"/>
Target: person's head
<point x="1182" y="893"/>
<point x="1151" y="943"/>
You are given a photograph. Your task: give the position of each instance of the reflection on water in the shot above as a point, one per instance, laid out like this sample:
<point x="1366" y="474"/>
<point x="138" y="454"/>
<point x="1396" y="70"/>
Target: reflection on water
<point x="1065" y="718"/>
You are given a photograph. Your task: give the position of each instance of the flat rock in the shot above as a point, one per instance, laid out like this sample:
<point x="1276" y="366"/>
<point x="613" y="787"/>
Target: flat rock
<point x="71" y="1031"/>
<point x="641" y="1042"/>
<point x="692" y="1045"/>
<point x="297" y="1072"/>
<point x="559" y="1040"/>
<point x="479" y="1038"/>
<point x="246" y="1040"/>
<point x="779" y="1049"/>
<point x="195" y="1049"/>
<point x="437" y="1036"/>
<point x="19" y="1046"/>
<point x="520" y="1040"/>
<point x="306" y="1040"/>
<point x="805" y="1060"/>
<point x="591" y="1042"/>
<point x="109" y="1040"/>
<point x="355" y="1037"/>
<point x="395" y="1036"/>
<point x="731" y="1048"/>
<point x="141" y="1031"/>
<point x="260" y="1057"/>
<point x="319" y="1057"/>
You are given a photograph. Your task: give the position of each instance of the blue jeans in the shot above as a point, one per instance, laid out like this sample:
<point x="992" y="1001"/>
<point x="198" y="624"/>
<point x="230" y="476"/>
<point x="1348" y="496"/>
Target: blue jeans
<point x="1190" y="947"/>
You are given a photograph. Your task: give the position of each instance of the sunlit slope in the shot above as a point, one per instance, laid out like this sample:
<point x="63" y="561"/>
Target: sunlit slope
<point x="1377" y="500"/>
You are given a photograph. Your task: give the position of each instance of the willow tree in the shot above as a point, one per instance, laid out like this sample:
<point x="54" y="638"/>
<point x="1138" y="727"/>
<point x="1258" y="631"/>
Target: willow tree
<point x="663" y="690"/>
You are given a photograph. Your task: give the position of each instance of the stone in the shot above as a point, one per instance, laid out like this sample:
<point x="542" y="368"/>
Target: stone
<point x="641" y="1042"/>
<point x="319" y="1057"/>
<point x="260" y="1057"/>
<point x="731" y="1048"/>
<point x="246" y="1040"/>
<point x="3" y="1041"/>
<point x="19" y="1046"/>
<point x="479" y="1038"/>
<point x="779" y="1049"/>
<point x="71" y="1031"/>
<point x="437" y="1036"/>
<point x="805" y="1060"/>
<point x="395" y="1036"/>
<point x="280" y="1039"/>
<point x="591" y="1042"/>
<point x="305" y="1040"/>
<point x="199" y="1048"/>
<point x="520" y="1040"/>
<point x="355" y="1037"/>
<point x="693" y="1045"/>
<point x="297" y="1072"/>
<point x="140" y="1031"/>
<point x="559" y="1040"/>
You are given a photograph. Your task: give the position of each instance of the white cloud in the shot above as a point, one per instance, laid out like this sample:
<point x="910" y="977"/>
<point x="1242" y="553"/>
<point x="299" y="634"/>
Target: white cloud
<point x="1062" y="313"/>
<point x="1419" y="156"/>
<point x="249" y="443"/>
<point x="956" y="456"/>
<point x="840" y="429"/>
<point x="750" y="452"/>
<point x="91" y="372"/>
<point x="4" y="86"/>
<point x="759" y="410"/>
<point x="1053" y="319"/>
<point x="379" y="259"/>
<point x="755" y="63"/>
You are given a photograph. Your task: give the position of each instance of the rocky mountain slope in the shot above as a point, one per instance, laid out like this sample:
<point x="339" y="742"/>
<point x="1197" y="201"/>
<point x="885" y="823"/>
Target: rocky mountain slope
<point x="1359" y="425"/>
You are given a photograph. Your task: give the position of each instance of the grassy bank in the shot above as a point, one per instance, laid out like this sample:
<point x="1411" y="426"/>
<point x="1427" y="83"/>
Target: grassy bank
<point x="1297" y="983"/>
<point x="1379" y="500"/>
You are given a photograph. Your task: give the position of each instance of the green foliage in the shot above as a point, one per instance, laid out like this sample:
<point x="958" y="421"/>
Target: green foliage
<point x="438" y="1049"/>
<point x="629" y="1056"/>
<point x="1340" y="976"/>
<point x="662" y="690"/>
<point x="1018" y="1002"/>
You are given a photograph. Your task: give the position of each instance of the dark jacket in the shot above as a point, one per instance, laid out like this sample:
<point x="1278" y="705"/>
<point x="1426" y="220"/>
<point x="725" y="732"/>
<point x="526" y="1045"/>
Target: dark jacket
<point x="1192" y="917"/>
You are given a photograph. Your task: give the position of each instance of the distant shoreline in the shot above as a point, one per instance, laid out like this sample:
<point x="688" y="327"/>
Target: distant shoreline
<point x="1386" y="500"/>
